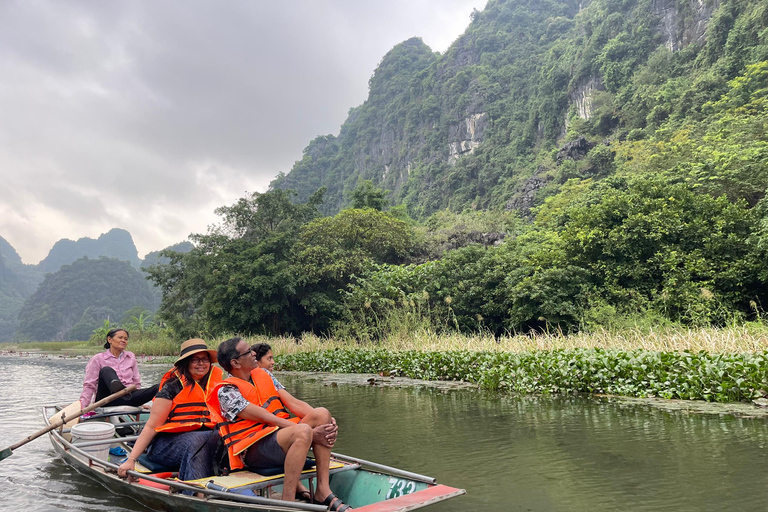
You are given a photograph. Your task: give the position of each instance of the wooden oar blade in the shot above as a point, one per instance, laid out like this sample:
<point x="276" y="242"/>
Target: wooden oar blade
<point x="67" y="411"/>
<point x="5" y="453"/>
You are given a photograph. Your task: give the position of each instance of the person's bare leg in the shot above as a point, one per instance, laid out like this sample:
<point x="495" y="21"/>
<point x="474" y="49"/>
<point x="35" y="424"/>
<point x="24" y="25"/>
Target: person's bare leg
<point x="319" y="417"/>
<point x="295" y="442"/>
<point x="321" y="447"/>
<point x="322" y="463"/>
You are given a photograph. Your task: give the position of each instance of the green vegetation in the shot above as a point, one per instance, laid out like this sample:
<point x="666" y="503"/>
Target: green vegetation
<point x="531" y="76"/>
<point x="719" y="365"/>
<point x="657" y="240"/>
<point x="71" y="303"/>
<point x="585" y="170"/>
<point x="638" y="373"/>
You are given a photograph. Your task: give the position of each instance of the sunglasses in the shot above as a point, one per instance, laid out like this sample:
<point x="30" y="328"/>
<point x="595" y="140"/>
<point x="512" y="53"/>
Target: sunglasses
<point x="198" y="360"/>
<point x="249" y="351"/>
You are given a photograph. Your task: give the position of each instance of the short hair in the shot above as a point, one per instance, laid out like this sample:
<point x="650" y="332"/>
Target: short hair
<point x="260" y="349"/>
<point x="227" y="351"/>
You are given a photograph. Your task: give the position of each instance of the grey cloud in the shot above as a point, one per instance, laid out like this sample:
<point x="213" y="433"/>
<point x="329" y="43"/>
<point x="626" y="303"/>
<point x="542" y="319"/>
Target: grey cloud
<point x="179" y="107"/>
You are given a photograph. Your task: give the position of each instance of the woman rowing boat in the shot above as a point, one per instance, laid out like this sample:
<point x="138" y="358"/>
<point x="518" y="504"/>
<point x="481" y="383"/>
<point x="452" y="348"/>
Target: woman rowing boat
<point x="112" y="370"/>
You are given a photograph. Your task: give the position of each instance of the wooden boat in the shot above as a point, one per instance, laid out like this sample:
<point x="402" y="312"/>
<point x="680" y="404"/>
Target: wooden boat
<point x="364" y="485"/>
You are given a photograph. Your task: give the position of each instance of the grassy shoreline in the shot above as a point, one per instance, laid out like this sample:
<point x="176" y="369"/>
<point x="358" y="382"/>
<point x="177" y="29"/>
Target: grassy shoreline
<point x="719" y="365"/>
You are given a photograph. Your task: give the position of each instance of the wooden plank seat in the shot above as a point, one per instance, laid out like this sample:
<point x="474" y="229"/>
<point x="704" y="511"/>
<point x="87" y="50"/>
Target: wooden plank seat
<point x="145" y="465"/>
<point x="244" y="480"/>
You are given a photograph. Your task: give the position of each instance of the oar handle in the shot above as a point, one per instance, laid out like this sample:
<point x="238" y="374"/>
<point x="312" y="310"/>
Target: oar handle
<point x="69" y="418"/>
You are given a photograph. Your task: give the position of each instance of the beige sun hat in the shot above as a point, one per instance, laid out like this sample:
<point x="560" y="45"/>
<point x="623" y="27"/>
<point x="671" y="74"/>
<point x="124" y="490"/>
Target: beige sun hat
<point x="194" y="346"/>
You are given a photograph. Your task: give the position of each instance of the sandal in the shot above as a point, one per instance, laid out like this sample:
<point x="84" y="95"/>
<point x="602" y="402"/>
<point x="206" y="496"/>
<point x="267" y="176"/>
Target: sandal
<point x="303" y="496"/>
<point x="333" y="503"/>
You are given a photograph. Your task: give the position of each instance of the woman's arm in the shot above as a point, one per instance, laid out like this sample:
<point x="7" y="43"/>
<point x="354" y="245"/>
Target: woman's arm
<point x="135" y="372"/>
<point x="255" y="413"/>
<point x="296" y="406"/>
<point x="160" y="410"/>
<point x="91" y="381"/>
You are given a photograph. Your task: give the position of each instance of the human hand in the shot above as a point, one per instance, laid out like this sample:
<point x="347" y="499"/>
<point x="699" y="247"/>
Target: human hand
<point x="325" y="435"/>
<point x="128" y="465"/>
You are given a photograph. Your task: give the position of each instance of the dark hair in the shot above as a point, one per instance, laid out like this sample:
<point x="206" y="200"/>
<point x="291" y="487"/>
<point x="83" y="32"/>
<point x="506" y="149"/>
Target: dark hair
<point x="111" y="334"/>
<point x="227" y="351"/>
<point x="260" y="349"/>
<point x="182" y="366"/>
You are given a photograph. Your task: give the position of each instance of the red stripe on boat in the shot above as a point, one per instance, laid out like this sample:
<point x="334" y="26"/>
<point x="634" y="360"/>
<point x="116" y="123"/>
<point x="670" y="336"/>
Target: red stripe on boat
<point x="428" y="496"/>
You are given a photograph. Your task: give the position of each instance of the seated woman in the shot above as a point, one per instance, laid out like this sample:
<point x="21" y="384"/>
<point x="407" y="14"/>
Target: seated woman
<point x="265" y="360"/>
<point x="179" y="431"/>
<point x="112" y="370"/>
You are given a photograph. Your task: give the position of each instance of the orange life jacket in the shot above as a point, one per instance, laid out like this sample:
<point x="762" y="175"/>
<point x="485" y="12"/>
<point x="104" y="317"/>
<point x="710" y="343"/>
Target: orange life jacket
<point x="189" y="411"/>
<point x="240" y="434"/>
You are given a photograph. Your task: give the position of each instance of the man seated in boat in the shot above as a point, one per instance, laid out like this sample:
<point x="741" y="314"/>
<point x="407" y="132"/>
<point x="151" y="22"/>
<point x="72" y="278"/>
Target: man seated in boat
<point x="258" y="431"/>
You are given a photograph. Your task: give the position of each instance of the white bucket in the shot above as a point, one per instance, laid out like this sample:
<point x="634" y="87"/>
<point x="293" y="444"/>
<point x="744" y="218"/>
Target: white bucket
<point x="93" y="431"/>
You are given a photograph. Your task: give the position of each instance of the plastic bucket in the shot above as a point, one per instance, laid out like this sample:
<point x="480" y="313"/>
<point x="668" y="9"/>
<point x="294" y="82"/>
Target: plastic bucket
<point x="93" y="431"/>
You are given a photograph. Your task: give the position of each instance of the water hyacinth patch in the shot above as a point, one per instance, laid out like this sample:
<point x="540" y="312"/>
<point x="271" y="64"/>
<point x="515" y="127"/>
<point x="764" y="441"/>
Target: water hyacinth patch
<point x="637" y="373"/>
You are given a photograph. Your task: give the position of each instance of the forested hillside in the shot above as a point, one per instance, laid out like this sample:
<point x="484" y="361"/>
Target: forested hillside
<point x="72" y="302"/>
<point x="569" y="165"/>
<point x="18" y="282"/>
<point x="479" y="126"/>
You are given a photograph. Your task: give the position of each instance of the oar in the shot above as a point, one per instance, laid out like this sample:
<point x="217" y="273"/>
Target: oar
<point x="9" y="451"/>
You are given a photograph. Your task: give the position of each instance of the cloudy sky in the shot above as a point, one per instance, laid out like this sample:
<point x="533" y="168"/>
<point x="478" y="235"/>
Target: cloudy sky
<point x="148" y="115"/>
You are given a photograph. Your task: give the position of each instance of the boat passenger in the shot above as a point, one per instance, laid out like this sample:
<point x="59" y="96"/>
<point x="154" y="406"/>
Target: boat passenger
<point x="258" y="431"/>
<point x="266" y="360"/>
<point x="112" y="370"/>
<point x="180" y="432"/>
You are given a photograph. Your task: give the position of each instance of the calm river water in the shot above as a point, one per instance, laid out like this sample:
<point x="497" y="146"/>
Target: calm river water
<point x="509" y="453"/>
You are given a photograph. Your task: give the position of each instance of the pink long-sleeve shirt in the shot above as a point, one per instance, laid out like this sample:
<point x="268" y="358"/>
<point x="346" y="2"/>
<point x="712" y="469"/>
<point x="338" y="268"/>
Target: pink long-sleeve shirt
<point x="125" y="366"/>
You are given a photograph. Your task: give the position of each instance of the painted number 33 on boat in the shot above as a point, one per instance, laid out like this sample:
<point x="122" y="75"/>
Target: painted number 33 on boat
<point x="398" y="487"/>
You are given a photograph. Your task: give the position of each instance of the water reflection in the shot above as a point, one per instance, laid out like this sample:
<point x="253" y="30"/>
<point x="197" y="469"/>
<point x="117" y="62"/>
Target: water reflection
<point x="510" y="453"/>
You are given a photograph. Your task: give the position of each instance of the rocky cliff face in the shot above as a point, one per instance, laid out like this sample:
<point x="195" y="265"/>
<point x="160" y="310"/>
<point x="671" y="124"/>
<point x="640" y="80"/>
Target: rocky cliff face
<point x="467" y="136"/>
<point x="680" y="24"/>
<point x="482" y="115"/>
<point x="683" y="24"/>
<point x="581" y="96"/>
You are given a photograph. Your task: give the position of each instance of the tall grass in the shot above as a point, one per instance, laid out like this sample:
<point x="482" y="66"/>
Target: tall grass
<point x="746" y="338"/>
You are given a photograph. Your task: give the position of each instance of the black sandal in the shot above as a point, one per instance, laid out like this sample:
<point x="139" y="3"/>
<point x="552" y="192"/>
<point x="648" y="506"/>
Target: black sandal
<point x="304" y="496"/>
<point x="333" y="503"/>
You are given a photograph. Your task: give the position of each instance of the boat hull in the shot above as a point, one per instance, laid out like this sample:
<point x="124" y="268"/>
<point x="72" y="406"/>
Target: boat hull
<point x="365" y="490"/>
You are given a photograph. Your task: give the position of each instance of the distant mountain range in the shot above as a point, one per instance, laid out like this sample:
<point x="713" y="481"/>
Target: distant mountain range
<point x="85" y="286"/>
<point x="116" y="243"/>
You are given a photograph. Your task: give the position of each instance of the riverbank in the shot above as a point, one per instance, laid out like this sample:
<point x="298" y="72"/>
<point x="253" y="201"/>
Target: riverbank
<point x="713" y="365"/>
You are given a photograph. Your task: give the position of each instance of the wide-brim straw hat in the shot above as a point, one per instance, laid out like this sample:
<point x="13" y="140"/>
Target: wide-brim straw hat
<point x="194" y="346"/>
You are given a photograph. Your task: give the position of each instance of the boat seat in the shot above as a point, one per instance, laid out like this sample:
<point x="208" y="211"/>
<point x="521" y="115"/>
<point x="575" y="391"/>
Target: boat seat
<point x="117" y="410"/>
<point x="119" y="414"/>
<point x="240" y="481"/>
